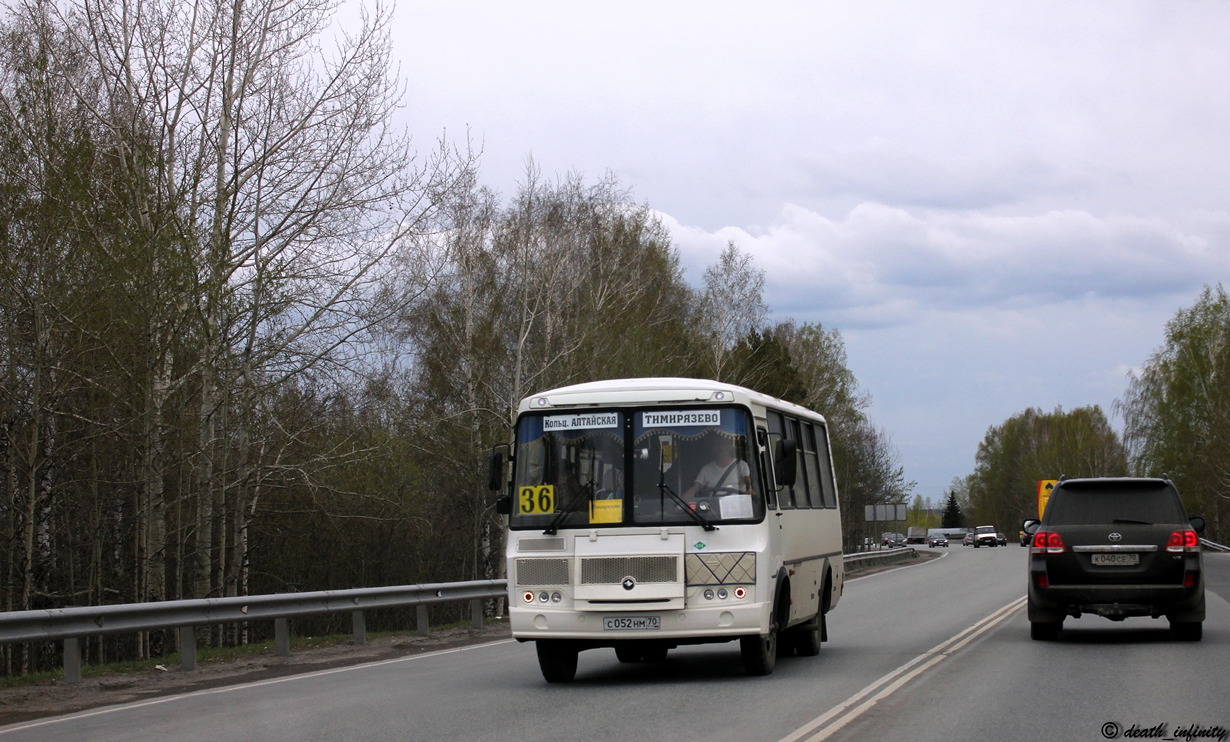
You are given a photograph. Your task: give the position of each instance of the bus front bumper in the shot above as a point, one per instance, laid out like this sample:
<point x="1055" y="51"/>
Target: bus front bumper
<point x="719" y="623"/>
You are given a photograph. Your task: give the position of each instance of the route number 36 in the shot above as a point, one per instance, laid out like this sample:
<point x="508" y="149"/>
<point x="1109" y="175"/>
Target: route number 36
<point x="536" y="500"/>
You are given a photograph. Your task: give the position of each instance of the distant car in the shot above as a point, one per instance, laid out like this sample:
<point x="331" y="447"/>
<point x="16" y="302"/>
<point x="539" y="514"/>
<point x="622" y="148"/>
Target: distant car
<point x="937" y="540"/>
<point x="986" y="536"/>
<point x="893" y="540"/>
<point x="1001" y="539"/>
<point x="968" y="540"/>
<point x="1115" y="547"/>
<point x="1025" y="538"/>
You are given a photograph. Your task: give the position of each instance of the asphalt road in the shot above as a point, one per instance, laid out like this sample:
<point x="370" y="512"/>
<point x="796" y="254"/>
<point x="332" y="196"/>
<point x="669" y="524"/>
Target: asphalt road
<point x="937" y="651"/>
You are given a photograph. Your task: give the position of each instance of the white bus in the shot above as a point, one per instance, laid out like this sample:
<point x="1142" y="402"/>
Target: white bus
<point x="645" y="514"/>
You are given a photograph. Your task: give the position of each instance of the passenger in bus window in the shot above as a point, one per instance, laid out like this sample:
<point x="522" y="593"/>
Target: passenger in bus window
<point x="609" y="469"/>
<point x="724" y="474"/>
<point x="610" y="483"/>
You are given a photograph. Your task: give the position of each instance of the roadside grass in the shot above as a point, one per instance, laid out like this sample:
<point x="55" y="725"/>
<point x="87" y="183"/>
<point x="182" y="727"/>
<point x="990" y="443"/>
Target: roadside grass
<point x="205" y="655"/>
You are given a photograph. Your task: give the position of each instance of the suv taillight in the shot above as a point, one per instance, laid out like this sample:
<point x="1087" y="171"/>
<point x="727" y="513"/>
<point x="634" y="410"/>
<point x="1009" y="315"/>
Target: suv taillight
<point x="1183" y="541"/>
<point x="1046" y="542"/>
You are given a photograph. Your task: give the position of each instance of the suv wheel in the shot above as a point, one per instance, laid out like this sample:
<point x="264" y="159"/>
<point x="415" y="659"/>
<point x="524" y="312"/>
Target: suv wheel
<point x="1187" y="631"/>
<point x="1044" y="630"/>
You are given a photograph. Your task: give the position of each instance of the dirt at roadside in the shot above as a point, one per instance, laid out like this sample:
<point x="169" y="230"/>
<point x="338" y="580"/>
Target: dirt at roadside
<point x="55" y="697"/>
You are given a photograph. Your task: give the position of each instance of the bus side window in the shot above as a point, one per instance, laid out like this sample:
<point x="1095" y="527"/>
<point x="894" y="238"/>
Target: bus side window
<point x="828" y="487"/>
<point x="766" y="466"/>
<point x="778" y="426"/>
<point x="802" y="496"/>
<point x="807" y="454"/>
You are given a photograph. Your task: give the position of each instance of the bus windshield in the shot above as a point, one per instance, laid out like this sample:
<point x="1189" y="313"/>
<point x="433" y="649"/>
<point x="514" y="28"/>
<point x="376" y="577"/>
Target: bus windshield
<point x="689" y="466"/>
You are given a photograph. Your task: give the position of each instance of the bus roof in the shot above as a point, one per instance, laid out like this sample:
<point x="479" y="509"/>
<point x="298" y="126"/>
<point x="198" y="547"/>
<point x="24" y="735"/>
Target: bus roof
<point x="653" y="390"/>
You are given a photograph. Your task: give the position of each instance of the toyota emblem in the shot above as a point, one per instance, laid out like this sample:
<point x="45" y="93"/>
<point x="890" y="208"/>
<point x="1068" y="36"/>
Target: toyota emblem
<point x="1115" y="537"/>
<point x="629" y="583"/>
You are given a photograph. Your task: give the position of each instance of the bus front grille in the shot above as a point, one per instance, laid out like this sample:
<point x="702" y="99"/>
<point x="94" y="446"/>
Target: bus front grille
<point x="540" y="544"/>
<point x="612" y="570"/>
<point x="535" y="572"/>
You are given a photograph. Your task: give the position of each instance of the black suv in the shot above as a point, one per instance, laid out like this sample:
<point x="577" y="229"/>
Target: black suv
<point x="1116" y="547"/>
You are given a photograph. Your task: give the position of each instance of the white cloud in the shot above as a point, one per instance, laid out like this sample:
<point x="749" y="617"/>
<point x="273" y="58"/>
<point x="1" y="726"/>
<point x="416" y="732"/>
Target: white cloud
<point x="880" y="264"/>
<point x="965" y="189"/>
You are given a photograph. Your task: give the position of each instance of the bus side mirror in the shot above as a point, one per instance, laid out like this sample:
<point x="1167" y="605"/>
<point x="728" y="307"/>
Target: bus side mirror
<point x="785" y="465"/>
<point x="495" y="471"/>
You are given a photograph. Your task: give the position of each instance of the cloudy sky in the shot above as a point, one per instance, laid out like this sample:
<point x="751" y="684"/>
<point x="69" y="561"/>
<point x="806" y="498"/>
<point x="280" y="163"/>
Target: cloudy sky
<point x="998" y="204"/>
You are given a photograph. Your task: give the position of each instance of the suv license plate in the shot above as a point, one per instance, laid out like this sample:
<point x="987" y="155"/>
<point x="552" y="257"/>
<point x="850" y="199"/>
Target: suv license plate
<point x="1115" y="560"/>
<point x="631" y="623"/>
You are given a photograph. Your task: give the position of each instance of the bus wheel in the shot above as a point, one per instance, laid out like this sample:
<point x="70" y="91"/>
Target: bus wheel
<point x="759" y="652"/>
<point x="557" y="659"/>
<point x="805" y="639"/>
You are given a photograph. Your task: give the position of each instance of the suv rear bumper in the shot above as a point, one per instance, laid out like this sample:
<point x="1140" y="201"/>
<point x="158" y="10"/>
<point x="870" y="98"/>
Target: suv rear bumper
<point x="1054" y="602"/>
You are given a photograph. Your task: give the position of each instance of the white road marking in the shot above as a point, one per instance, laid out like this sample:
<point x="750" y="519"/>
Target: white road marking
<point x="825" y="725"/>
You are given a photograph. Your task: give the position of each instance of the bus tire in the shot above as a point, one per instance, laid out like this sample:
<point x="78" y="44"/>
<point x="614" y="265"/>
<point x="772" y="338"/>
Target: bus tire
<point x="557" y="659"/>
<point x="759" y="652"/>
<point x="806" y="637"/>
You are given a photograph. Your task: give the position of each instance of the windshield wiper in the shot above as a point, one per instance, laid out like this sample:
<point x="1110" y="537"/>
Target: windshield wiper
<point x="664" y="487"/>
<point x="569" y="507"/>
<point x="1134" y="522"/>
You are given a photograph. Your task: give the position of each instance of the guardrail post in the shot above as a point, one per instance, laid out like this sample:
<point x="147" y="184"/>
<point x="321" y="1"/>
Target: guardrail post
<point x="424" y="627"/>
<point x="72" y="660"/>
<point x="359" y="625"/>
<point x="187" y="647"/>
<point x="281" y="637"/>
<point x="476" y="613"/>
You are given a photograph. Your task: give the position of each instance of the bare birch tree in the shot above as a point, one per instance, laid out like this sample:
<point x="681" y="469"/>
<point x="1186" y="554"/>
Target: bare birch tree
<point x="569" y="282"/>
<point x="732" y="306"/>
<point x="279" y="169"/>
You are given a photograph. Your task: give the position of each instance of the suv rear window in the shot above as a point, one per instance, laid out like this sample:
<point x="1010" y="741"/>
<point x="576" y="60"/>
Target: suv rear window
<point x="1078" y="503"/>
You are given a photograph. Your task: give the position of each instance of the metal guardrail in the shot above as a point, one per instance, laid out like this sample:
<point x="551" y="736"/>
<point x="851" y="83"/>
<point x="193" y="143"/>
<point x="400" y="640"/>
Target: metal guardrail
<point x="885" y="555"/>
<point x="1213" y="546"/>
<point x="73" y="624"/>
<point x="70" y="625"/>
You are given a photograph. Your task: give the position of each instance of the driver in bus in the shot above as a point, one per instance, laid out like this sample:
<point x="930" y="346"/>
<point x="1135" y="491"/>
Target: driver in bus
<point x="724" y="474"/>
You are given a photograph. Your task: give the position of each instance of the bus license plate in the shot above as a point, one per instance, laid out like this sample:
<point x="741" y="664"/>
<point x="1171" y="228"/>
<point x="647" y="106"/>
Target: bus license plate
<point x="631" y="623"/>
<point x="1115" y="560"/>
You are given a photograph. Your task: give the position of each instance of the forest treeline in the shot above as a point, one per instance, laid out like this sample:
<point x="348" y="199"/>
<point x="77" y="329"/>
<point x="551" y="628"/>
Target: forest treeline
<point x="1176" y="424"/>
<point x="253" y="340"/>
